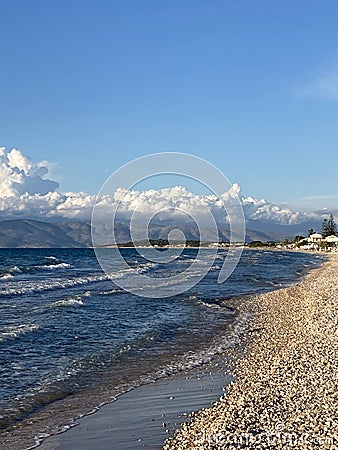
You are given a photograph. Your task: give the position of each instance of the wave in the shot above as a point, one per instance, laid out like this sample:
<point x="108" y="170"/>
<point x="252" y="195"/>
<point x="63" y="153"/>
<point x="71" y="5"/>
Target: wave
<point x="15" y="331"/>
<point x="190" y="360"/>
<point x="52" y="258"/>
<point x="6" y="276"/>
<point x="54" y="266"/>
<point x="254" y="279"/>
<point x="111" y="292"/>
<point x="273" y="283"/>
<point x="76" y="300"/>
<point x="22" y="288"/>
<point x="10" y="273"/>
<point x="216" y="303"/>
<point x="178" y="364"/>
<point x="66" y="302"/>
<point x="210" y="304"/>
<point x="15" y="269"/>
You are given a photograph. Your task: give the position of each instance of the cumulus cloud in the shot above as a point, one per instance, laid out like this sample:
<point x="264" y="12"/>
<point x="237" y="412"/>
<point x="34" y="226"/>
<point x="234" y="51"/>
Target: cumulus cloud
<point x="174" y="201"/>
<point x="19" y="175"/>
<point x="261" y="209"/>
<point x="27" y="192"/>
<point x="168" y="202"/>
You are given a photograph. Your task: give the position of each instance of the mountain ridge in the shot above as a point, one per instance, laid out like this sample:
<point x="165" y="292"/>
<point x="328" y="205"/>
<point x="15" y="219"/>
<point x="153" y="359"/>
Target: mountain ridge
<point x="30" y="233"/>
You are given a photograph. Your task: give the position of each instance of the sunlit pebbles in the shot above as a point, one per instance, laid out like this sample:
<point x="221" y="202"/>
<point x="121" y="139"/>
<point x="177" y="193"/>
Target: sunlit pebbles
<point x="285" y="392"/>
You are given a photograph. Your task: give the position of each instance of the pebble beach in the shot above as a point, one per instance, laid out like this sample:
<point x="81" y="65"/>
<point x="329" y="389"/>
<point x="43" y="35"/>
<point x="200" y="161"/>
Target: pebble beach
<point x="284" y="395"/>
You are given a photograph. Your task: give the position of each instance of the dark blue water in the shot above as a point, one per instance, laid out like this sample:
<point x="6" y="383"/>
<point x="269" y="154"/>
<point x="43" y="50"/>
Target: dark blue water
<point x="67" y="331"/>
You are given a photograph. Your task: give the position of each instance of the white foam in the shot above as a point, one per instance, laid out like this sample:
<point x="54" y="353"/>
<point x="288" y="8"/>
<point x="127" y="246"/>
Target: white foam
<point x="55" y="283"/>
<point x="14" y="331"/>
<point x="76" y="300"/>
<point x="66" y="302"/>
<point x="10" y="273"/>
<point x="218" y="347"/>
<point x="6" y="276"/>
<point x="15" y="269"/>
<point x="110" y="292"/>
<point x="209" y="305"/>
<point x="55" y="266"/>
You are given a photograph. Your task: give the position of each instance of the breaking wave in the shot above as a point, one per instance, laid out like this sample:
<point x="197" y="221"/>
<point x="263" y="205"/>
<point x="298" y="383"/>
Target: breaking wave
<point x="54" y="266"/>
<point x="13" y="332"/>
<point x="76" y="300"/>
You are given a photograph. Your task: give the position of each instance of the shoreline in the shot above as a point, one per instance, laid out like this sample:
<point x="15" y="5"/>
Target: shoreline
<point x="206" y="399"/>
<point x="284" y="393"/>
<point x="145" y="416"/>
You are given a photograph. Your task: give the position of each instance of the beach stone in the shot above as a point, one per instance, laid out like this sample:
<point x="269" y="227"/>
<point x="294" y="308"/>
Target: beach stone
<point x="285" y="391"/>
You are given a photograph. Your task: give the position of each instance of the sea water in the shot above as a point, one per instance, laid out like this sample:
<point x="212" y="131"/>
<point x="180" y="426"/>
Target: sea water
<point x="71" y="339"/>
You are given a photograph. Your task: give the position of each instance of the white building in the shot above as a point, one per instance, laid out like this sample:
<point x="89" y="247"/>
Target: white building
<point x="332" y="239"/>
<point x="315" y="237"/>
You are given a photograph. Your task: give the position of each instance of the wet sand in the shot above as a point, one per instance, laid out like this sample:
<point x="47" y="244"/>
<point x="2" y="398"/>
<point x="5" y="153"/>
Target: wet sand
<point x="285" y="392"/>
<point x="143" y="417"/>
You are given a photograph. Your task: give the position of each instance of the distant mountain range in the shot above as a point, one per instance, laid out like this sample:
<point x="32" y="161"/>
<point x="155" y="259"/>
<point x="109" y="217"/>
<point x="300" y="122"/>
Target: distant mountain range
<point x="28" y="233"/>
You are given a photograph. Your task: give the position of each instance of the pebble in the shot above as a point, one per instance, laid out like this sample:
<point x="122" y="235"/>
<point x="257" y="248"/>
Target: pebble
<point x="285" y="391"/>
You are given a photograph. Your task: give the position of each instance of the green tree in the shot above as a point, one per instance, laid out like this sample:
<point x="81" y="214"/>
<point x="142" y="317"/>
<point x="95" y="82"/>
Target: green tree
<point x="329" y="227"/>
<point x="323" y="245"/>
<point x="310" y="232"/>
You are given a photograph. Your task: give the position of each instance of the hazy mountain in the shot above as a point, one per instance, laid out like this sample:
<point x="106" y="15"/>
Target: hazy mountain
<point x="33" y="233"/>
<point x="278" y="232"/>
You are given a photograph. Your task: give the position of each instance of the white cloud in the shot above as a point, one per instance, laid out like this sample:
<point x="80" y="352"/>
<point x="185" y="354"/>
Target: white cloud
<point x="26" y="192"/>
<point x="261" y="209"/>
<point x="19" y="175"/>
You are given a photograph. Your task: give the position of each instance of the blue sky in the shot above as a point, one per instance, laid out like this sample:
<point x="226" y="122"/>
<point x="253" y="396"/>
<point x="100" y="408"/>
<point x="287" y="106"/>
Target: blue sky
<point x="252" y="86"/>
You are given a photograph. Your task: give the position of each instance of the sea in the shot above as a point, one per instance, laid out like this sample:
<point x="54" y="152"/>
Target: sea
<point x="71" y="339"/>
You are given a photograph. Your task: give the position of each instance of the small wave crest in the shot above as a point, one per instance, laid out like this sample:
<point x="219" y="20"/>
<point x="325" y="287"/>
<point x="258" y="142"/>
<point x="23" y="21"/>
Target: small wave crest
<point x="15" y="269"/>
<point x="56" y="283"/>
<point x="54" y="266"/>
<point x="111" y="292"/>
<point x="52" y="258"/>
<point x="8" y="274"/>
<point x="76" y="300"/>
<point x="66" y="302"/>
<point x="15" y="331"/>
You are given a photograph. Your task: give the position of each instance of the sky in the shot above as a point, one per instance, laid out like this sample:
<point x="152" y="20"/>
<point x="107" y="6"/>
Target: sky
<point x="249" y="85"/>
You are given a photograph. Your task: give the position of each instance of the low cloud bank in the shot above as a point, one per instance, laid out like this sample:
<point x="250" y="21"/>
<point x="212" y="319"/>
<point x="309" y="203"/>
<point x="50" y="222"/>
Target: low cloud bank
<point x="27" y="192"/>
